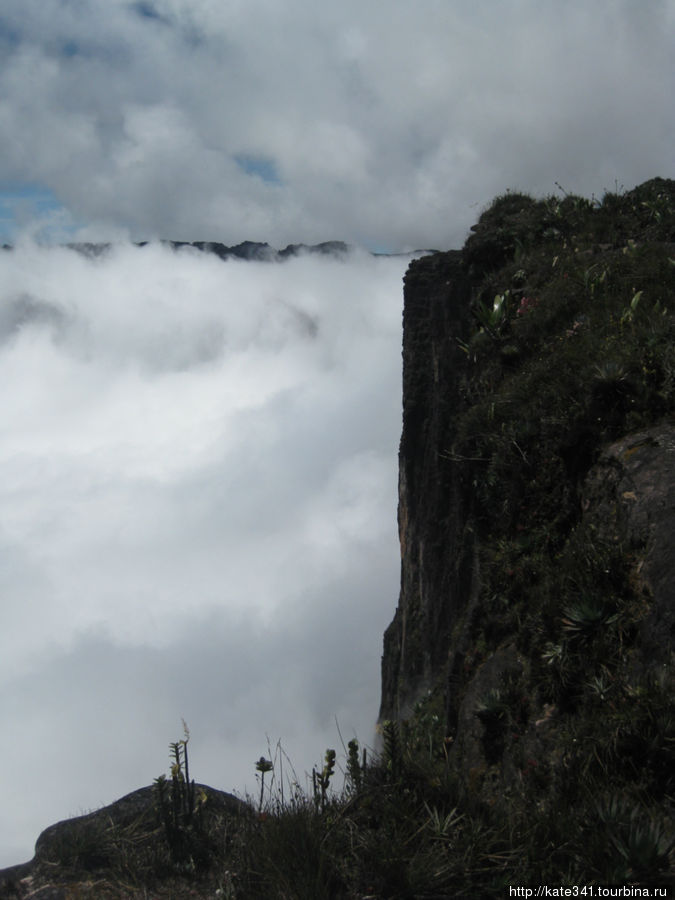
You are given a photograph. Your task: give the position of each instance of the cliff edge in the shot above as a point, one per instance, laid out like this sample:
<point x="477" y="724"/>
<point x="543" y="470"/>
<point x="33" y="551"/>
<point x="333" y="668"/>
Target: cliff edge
<point x="527" y="716"/>
<point x="536" y="621"/>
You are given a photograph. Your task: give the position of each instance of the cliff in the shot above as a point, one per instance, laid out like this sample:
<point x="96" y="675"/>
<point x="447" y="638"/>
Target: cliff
<point x="438" y="562"/>
<point x="536" y="619"/>
<point x="527" y="718"/>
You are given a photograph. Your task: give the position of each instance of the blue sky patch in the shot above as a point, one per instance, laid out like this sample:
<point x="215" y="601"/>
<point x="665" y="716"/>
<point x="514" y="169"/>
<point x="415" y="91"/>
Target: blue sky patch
<point x="21" y="204"/>
<point x="259" y="166"/>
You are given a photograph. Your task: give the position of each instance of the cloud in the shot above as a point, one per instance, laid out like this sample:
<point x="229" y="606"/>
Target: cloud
<point x="198" y="495"/>
<point x="387" y="124"/>
<point x="198" y="458"/>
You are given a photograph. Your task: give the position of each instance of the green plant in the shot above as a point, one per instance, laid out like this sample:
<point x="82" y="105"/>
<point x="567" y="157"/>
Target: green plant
<point x="356" y="767"/>
<point x="625" y="841"/>
<point x="392" y="751"/>
<point x="584" y="619"/>
<point x="629" y="314"/>
<point x="321" y="780"/>
<point x="442" y="825"/>
<point x="492" y="318"/>
<point x="492" y="709"/>
<point x="263" y="766"/>
<point x="179" y="806"/>
<point x="601" y="686"/>
<point x="610" y="374"/>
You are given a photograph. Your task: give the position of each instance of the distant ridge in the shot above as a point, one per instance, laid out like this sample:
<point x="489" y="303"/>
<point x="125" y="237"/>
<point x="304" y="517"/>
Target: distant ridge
<point x="248" y="250"/>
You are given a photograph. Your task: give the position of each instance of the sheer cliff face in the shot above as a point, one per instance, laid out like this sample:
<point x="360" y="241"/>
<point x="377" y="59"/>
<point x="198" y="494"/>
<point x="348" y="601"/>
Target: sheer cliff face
<point x="437" y="567"/>
<point x="536" y="489"/>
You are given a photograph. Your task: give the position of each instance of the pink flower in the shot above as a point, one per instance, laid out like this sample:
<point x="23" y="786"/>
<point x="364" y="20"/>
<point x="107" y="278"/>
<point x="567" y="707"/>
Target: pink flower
<point x="526" y="304"/>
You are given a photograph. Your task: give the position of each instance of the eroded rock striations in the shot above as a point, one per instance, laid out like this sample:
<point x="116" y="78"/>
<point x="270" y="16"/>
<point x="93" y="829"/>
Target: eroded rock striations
<point x="438" y="564"/>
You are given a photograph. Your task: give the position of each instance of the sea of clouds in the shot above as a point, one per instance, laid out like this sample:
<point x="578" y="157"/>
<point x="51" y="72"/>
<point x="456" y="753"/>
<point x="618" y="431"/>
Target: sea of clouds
<point x="198" y="464"/>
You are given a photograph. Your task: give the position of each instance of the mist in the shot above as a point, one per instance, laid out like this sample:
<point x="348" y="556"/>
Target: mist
<point x="197" y="516"/>
<point x="199" y="473"/>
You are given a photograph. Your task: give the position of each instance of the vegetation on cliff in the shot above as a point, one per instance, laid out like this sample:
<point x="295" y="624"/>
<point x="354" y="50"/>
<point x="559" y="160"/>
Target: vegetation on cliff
<point x="574" y="351"/>
<point x="541" y="630"/>
<point x="529" y="726"/>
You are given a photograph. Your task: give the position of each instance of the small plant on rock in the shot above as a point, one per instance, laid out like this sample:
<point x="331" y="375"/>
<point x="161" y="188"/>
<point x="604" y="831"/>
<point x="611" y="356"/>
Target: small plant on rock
<point x="585" y="619"/>
<point x="179" y="808"/>
<point x="321" y="780"/>
<point x="356" y="767"/>
<point x="263" y="766"/>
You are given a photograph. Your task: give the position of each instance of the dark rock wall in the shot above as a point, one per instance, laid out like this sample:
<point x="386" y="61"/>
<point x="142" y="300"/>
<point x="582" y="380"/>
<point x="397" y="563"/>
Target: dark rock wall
<point x="436" y="546"/>
<point x="625" y="489"/>
<point x="629" y="495"/>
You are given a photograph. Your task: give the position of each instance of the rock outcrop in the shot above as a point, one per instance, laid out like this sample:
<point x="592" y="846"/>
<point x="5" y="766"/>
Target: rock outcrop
<point x="75" y="857"/>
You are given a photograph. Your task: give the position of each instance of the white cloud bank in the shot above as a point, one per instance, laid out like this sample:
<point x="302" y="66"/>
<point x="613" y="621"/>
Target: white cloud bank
<point x="197" y="515"/>
<point x="387" y="123"/>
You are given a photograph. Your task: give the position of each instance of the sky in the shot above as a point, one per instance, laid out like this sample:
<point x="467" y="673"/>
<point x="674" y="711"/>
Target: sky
<point x="198" y="458"/>
<point x="385" y="123"/>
